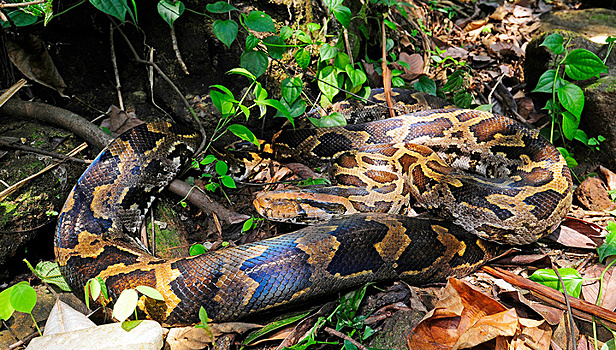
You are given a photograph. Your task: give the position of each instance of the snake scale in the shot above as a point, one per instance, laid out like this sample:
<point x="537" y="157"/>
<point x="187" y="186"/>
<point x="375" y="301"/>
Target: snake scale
<point x="519" y="190"/>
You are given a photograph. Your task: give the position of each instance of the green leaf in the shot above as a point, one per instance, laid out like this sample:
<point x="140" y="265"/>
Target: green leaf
<point x="582" y="64"/>
<point x="571" y="278"/>
<point x="203" y="315"/>
<point x="244" y="72"/>
<point x="303" y="37"/>
<point x="349" y="346"/>
<point x="546" y="81"/>
<point x="391" y="25"/>
<point x="225" y="31"/>
<point x="297" y="108"/>
<point x="302" y="57"/>
<point x="49" y="272"/>
<point x="255" y="62"/>
<point x="313" y="27"/>
<point x="6" y="309"/>
<point x="570" y="124"/>
<point x="342" y="61"/>
<point x="125" y="305"/>
<point x="485" y="108"/>
<point x="334" y="119"/>
<point x="251" y="42"/>
<point x="554" y="42"/>
<point x="463" y="99"/>
<point x="280" y="107"/>
<point x="259" y="21"/>
<point x="210" y="158"/>
<point x="103" y="286"/>
<point x="399" y="82"/>
<point x="425" y="84"/>
<point x="197" y="249"/>
<point x="220" y="7"/>
<point x="247" y="224"/>
<point x="243" y="133"/>
<point x="222" y="102"/>
<point x="23" y="297"/>
<point x="270" y="327"/>
<point x="357" y="76"/>
<point x="221" y="167"/>
<point x="571" y="97"/>
<point x="150" y="292"/>
<point x="609" y="345"/>
<point x="95" y="288"/>
<point x="343" y="15"/>
<point x="115" y="8"/>
<point x="286" y="32"/>
<point x="291" y="88"/>
<point x="327" y="52"/>
<point x="170" y="10"/>
<point x="20" y="18"/>
<point x="129" y="325"/>
<point x="608" y="248"/>
<point x="328" y="83"/>
<point x="581" y="136"/>
<point x="228" y="181"/>
<point x="275" y="46"/>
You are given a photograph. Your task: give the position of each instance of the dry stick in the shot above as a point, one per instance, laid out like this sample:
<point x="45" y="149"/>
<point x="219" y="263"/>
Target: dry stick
<point x="571" y="333"/>
<point x="174" y="42"/>
<point x="7" y="192"/>
<point x="166" y="79"/>
<point x="386" y="73"/>
<point x="345" y="337"/>
<point x="22" y="4"/>
<point x="99" y="139"/>
<point x="580" y="308"/>
<point x="41" y="151"/>
<point x="114" y="62"/>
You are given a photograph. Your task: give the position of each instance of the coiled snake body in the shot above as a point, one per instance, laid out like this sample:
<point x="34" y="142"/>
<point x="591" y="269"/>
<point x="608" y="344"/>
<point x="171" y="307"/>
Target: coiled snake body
<point x="530" y="195"/>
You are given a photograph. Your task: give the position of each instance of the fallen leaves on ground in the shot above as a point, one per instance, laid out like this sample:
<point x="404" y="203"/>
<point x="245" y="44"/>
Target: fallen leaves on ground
<point x="464" y="317"/>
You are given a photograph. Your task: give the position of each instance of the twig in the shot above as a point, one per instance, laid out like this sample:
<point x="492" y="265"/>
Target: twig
<point x="174" y="42"/>
<point x="571" y="333"/>
<point x="7" y="192"/>
<point x="22" y="4"/>
<point x="166" y="79"/>
<point x="386" y="72"/>
<point x="43" y="152"/>
<point x="580" y="308"/>
<point x="114" y="62"/>
<point x="345" y="337"/>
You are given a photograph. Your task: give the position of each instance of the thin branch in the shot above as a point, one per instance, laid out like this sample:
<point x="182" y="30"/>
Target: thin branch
<point x="114" y="62"/>
<point x="43" y="152"/>
<point x="174" y="42"/>
<point x="22" y="4"/>
<point x="345" y="337"/>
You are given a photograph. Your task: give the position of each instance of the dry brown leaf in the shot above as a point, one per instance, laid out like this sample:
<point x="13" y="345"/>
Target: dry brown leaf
<point x="489" y="327"/>
<point x="610" y="177"/>
<point x="578" y="233"/>
<point x="29" y="55"/>
<point x="415" y="62"/>
<point x="476" y="24"/>
<point x="460" y="307"/>
<point x="551" y="314"/>
<point x="191" y="338"/>
<point x="534" y="335"/>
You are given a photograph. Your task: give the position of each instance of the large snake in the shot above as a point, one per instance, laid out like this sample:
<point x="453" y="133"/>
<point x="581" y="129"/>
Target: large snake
<point x="112" y="196"/>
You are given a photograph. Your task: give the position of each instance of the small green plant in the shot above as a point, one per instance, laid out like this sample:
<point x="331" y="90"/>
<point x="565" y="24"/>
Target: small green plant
<point x="567" y="99"/>
<point x="197" y="249"/>
<point x="20" y="297"/>
<point x="204" y="323"/>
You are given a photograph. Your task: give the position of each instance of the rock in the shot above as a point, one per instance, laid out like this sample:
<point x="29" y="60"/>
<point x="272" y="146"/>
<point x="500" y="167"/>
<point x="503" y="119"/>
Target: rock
<point x="592" y="194"/>
<point x="148" y="335"/>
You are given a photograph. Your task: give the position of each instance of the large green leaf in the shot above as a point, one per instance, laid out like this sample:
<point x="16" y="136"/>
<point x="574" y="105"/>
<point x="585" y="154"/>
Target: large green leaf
<point x="582" y="64"/>
<point x="23" y="297"/>
<point x="115" y="8"/>
<point x="49" y="272"/>
<point x="571" y="278"/>
<point x="343" y="15"/>
<point x="243" y="133"/>
<point x="125" y="305"/>
<point x="302" y="57"/>
<point x="570" y="124"/>
<point x="426" y="85"/>
<point x="291" y="88"/>
<point x="260" y="22"/>
<point x="609" y="247"/>
<point x="546" y="81"/>
<point x="6" y="309"/>
<point x="225" y="31"/>
<point x="255" y="62"/>
<point x="571" y="97"/>
<point x="554" y="42"/>
<point x="170" y="10"/>
<point x="275" y="46"/>
<point x="328" y="83"/>
<point x="220" y="7"/>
